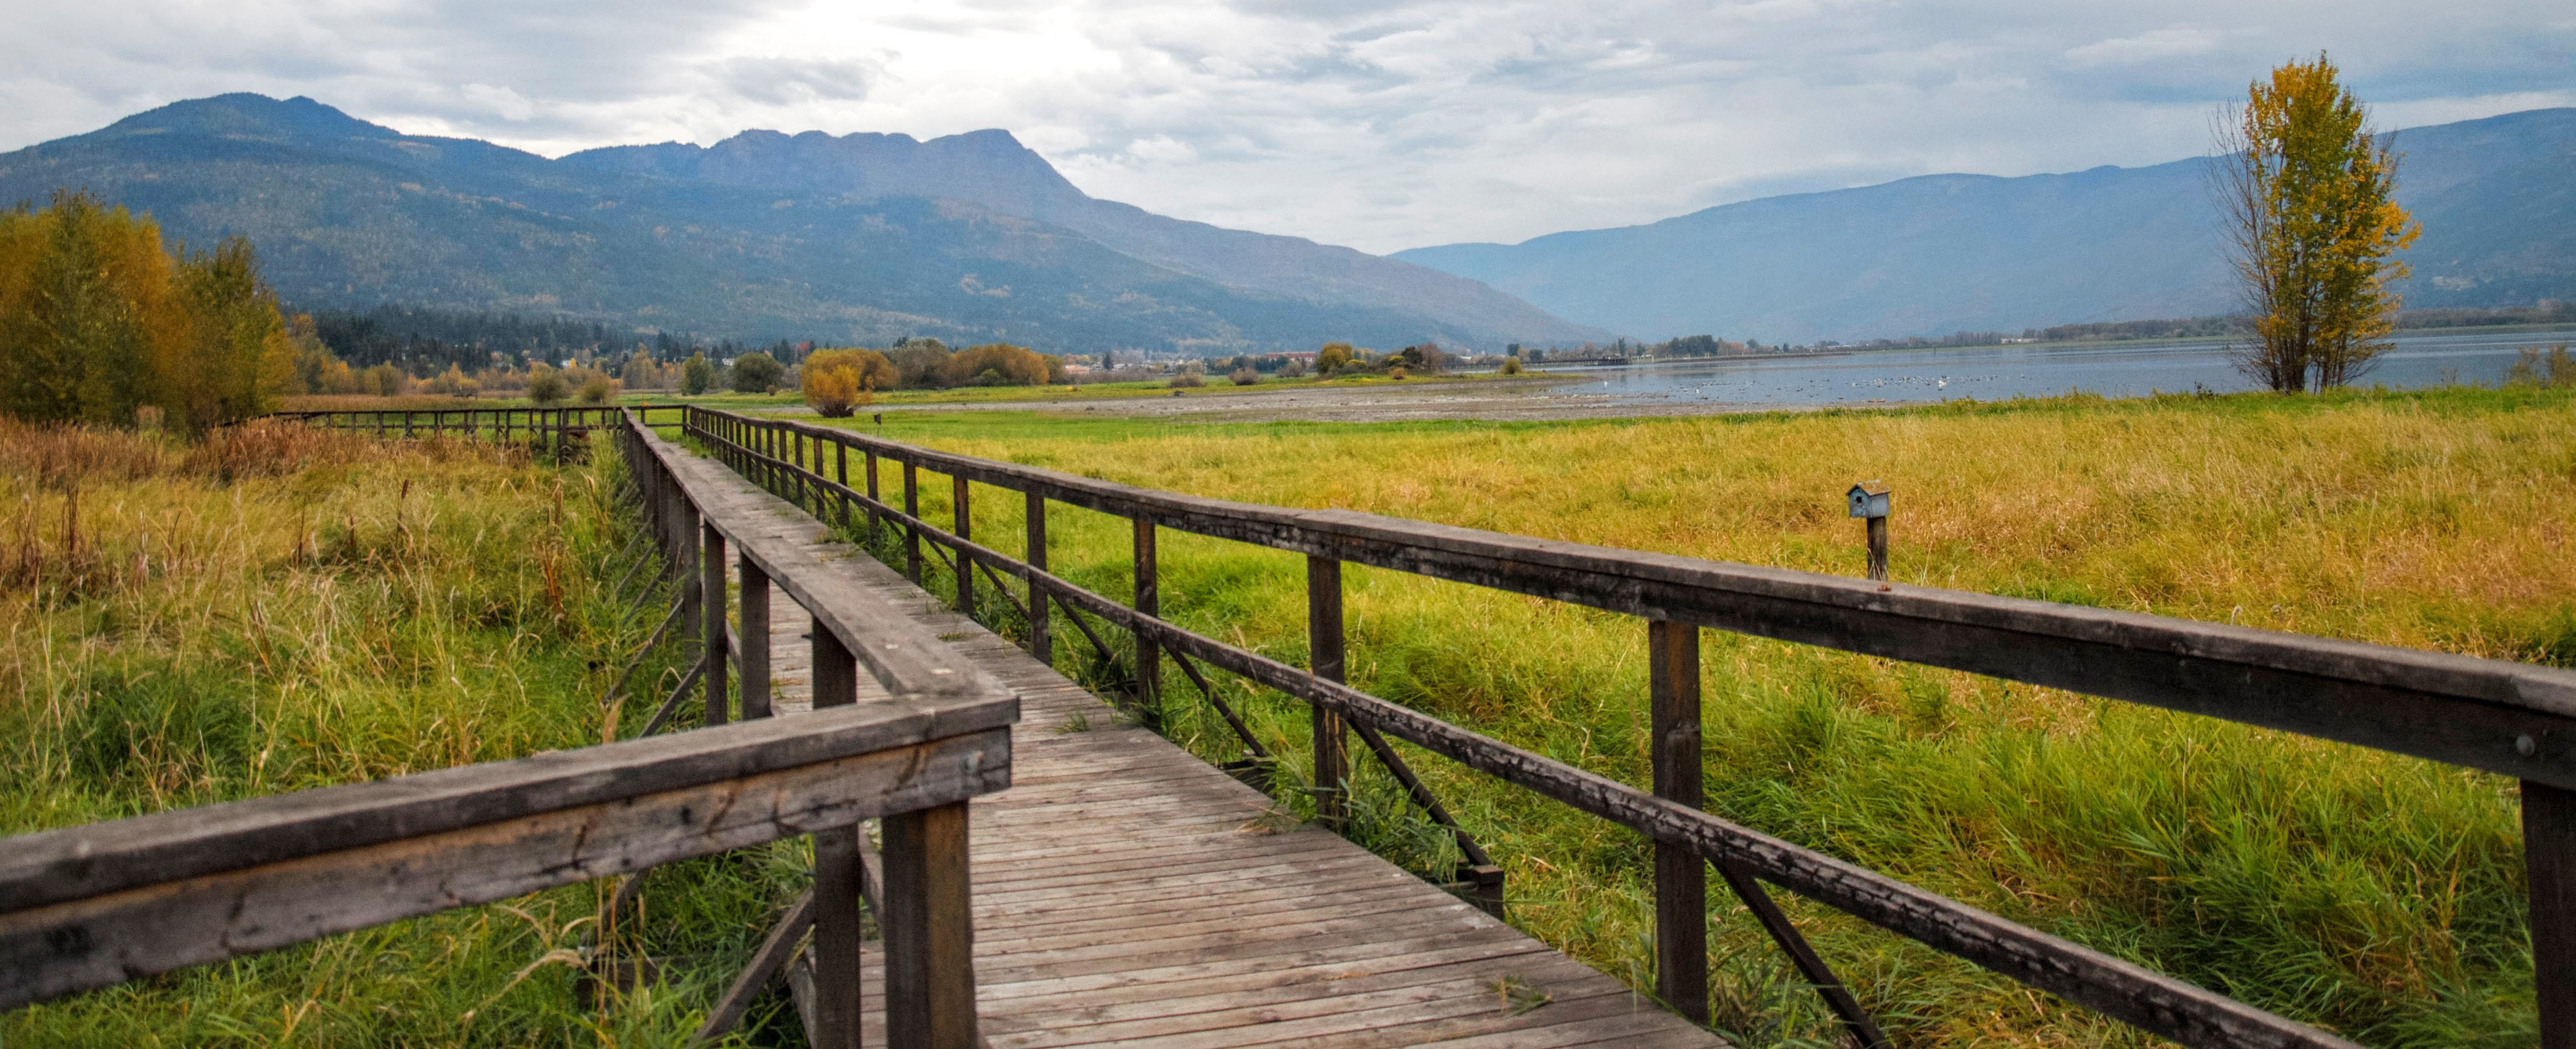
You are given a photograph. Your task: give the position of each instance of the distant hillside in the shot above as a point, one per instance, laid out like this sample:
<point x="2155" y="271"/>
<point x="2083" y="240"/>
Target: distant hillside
<point x="863" y="238"/>
<point x="1944" y="253"/>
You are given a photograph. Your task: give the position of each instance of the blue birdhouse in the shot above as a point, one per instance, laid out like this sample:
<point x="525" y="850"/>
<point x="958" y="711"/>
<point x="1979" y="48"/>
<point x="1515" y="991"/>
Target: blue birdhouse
<point x="1869" y="499"/>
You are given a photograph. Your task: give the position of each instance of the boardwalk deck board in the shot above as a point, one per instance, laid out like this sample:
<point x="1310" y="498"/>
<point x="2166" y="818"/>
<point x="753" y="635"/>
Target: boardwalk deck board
<point x="1127" y="892"/>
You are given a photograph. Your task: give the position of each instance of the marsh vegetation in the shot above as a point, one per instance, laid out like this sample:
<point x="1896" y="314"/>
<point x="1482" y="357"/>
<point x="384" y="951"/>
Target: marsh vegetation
<point x="278" y="608"/>
<point x="2378" y="895"/>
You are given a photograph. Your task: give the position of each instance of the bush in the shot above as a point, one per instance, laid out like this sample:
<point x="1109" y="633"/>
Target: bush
<point x="1295" y="368"/>
<point x="1188" y="380"/>
<point x="546" y="386"/>
<point x="385" y="380"/>
<point x="994" y="364"/>
<point x="2547" y="372"/>
<point x="599" y="390"/>
<point x="696" y="375"/>
<point x="1511" y="365"/>
<point x="1334" y="357"/>
<point x="452" y="383"/>
<point x="838" y="382"/>
<point x="1396" y="372"/>
<point x="757" y="373"/>
<point x="1245" y="376"/>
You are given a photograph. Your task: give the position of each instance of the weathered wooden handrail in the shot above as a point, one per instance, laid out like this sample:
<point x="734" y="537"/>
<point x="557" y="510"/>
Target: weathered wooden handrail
<point x="90" y="906"/>
<point x="2511" y="718"/>
<point x="410" y="421"/>
<point x="700" y="511"/>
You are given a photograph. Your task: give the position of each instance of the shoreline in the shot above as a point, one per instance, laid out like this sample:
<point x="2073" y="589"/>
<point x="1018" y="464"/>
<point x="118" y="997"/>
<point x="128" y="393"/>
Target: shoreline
<point x="1523" y="401"/>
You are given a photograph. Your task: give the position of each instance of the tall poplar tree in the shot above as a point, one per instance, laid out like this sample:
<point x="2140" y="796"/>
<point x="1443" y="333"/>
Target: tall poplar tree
<point x="2307" y="191"/>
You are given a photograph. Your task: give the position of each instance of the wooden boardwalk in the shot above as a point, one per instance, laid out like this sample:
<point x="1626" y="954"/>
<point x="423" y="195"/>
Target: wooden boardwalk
<point x="1127" y="892"/>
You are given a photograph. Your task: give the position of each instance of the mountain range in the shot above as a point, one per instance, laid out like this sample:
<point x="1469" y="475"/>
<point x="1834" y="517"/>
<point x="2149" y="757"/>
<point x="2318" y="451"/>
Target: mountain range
<point x="859" y="238"/>
<point x="1947" y="253"/>
<point x="866" y="238"/>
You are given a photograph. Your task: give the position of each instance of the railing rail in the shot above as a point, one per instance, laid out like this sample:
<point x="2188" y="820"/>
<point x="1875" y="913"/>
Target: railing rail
<point x="90" y="906"/>
<point x="2510" y="718"/>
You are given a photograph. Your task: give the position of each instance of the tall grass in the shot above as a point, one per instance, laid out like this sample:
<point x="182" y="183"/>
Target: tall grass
<point x="2377" y="895"/>
<point x="281" y="608"/>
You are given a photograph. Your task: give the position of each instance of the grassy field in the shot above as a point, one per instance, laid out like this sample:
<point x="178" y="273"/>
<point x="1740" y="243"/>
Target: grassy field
<point x="281" y="609"/>
<point x="2377" y="895"/>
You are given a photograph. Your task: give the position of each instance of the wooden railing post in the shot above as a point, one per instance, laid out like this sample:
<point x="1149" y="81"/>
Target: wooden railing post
<point x="1324" y="657"/>
<point x="839" y="873"/>
<point x="1149" y="600"/>
<point x="685" y="527"/>
<point x="911" y="536"/>
<point x="929" y="930"/>
<point x="752" y="663"/>
<point x="1041" y="645"/>
<point x="711" y="591"/>
<point x="841" y="474"/>
<point x="873" y="520"/>
<point x="964" y="523"/>
<point x="2549" y="855"/>
<point x="1681" y="877"/>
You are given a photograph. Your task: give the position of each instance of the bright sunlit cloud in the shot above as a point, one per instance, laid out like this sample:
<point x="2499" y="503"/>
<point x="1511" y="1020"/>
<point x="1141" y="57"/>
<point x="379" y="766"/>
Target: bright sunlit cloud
<point x="1382" y="126"/>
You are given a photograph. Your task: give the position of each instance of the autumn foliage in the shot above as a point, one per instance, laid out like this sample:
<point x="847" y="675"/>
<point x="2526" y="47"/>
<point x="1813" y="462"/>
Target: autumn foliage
<point x="838" y="382"/>
<point x="2308" y="191"/>
<point x="99" y="319"/>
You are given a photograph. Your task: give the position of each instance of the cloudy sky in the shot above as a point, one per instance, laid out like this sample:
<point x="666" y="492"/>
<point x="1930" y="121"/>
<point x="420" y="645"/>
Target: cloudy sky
<point x="1378" y="125"/>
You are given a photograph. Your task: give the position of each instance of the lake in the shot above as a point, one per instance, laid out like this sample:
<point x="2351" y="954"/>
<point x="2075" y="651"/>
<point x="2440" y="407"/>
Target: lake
<point x="2128" y="369"/>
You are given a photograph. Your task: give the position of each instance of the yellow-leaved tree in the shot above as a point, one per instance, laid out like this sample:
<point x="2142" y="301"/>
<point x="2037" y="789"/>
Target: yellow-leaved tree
<point x="839" y="382"/>
<point x="2307" y="192"/>
<point x="97" y="319"/>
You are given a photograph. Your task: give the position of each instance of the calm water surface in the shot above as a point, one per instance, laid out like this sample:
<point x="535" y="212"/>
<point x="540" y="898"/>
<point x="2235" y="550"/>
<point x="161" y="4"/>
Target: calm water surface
<point x="2129" y="369"/>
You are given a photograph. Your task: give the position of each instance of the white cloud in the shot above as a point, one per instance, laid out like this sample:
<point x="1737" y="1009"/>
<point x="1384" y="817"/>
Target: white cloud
<point x="2174" y="42"/>
<point x="1380" y="125"/>
<point x="500" y="101"/>
<point x="781" y="81"/>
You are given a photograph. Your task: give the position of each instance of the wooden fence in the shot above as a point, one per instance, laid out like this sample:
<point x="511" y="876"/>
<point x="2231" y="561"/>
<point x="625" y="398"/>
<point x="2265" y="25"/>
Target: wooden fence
<point x="2508" y="718"/>
<point x="554" y="430"/>
<point x="91" y="906"/>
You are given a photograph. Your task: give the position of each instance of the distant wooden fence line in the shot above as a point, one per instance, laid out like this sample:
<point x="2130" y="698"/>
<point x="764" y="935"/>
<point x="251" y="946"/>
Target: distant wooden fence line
<point x="2509" y="718"/>
<point x="553" y="429"/>
<point x="91" y="906"/>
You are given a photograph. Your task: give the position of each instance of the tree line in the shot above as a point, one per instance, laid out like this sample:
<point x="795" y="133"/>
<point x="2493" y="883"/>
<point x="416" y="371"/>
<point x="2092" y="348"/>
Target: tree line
<point x="102" y="323"/>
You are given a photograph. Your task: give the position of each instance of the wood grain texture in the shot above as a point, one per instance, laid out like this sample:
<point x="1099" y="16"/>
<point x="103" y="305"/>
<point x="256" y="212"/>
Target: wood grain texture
<point x="1122" y="886"/>
<point x="61" y="948"/>
<point x="2549" y="838"/>
<point x="77" y="862"/>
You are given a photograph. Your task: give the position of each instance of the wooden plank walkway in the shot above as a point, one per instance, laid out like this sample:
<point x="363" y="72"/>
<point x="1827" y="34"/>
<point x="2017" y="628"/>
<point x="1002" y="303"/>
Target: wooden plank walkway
<point x="1127" y="892"/>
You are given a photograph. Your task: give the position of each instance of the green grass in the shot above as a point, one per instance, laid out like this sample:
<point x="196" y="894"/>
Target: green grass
<point x="285" y="610"/>
<point x="2377" y="895"/>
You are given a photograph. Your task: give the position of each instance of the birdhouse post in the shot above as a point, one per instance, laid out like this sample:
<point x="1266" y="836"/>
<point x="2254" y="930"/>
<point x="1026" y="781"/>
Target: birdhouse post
<point x="1869" y="503"/>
